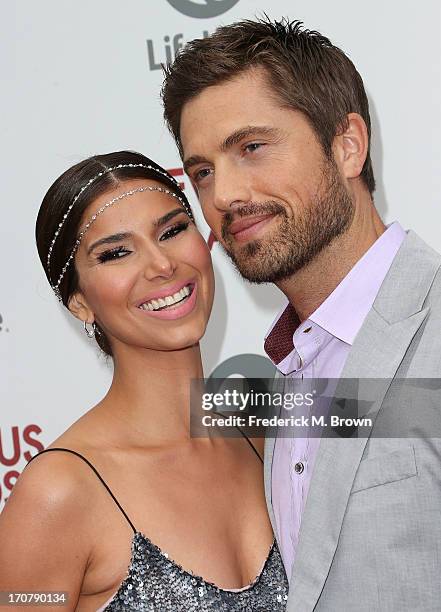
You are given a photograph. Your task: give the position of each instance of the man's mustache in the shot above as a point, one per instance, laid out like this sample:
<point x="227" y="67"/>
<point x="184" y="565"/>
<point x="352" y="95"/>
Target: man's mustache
<point x="252" y="209"/>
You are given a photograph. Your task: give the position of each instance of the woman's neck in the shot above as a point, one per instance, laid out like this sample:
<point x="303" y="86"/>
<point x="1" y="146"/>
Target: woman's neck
<point x="149" y="399"/>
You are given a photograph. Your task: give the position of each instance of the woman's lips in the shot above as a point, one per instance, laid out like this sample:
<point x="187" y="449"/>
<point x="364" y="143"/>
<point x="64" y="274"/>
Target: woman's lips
<point x="244" y="229"/>
<point x="177" y="310"/>
<point x="165" y="291"/>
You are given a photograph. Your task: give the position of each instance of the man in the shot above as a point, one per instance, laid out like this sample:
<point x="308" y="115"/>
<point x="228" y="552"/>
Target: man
<point x="272" y="122"/>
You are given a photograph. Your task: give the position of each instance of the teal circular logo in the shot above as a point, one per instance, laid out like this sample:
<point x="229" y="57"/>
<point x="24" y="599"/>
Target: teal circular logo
<point x="202" y="9"/>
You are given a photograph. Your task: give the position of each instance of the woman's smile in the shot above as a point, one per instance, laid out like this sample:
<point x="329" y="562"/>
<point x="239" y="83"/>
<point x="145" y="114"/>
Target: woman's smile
<point x="172" y="305"/>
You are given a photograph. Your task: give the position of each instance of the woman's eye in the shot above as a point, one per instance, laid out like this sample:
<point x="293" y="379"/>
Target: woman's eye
<point x="113" y="254"/>
<point x="176" y="229"/>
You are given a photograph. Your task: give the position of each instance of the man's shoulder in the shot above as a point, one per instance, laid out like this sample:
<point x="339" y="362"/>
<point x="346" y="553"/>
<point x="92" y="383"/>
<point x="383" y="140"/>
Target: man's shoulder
<point x="417" y="250"/>
<point x="413" y="280"/>
<point x="426" y="258"/>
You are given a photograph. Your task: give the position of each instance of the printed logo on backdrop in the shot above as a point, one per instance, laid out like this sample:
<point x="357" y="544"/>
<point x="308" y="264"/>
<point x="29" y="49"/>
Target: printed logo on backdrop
<point x="16" y="444"/>
<point x="247" y="365"/>
<point x="2" y="326"/>
<point x="165" y="55"/>
<point x="202" y="9"/>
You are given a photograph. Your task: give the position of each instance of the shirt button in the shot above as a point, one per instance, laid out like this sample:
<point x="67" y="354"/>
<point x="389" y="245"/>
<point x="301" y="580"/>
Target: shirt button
<point x="299" y="467"/>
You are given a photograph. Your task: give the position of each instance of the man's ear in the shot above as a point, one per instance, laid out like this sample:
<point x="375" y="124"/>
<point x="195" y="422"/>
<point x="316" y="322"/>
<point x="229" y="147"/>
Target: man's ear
<point x="350" y="147"/>
<point x="79" y="308"/>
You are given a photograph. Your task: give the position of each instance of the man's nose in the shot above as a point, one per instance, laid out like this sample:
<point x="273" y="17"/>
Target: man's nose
<point x="231" y="188"/>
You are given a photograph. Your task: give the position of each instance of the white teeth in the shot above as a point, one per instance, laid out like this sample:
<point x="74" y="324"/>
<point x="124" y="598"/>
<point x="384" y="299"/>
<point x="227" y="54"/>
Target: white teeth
<point x="169" y="300"/>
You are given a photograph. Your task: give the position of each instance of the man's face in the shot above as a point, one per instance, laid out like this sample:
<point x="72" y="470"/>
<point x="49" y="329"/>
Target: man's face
<point x="270" y="195"/>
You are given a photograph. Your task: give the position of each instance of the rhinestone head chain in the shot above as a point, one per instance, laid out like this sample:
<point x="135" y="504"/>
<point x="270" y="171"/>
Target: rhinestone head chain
<point x="56" y="286"/>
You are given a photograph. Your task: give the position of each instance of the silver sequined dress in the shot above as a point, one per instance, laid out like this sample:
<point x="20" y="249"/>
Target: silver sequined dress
<point x="155" y="583"/>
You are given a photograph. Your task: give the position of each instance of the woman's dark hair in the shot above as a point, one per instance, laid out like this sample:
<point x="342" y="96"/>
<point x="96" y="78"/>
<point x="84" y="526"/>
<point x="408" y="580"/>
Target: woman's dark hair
<point x="61" y="195"/>
<point x="303" y="68"/>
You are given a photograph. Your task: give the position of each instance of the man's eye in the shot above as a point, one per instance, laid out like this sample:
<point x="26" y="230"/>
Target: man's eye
<point x="112" y="254"/>
<point x="201" y="174"/>
<point x="253" y="146"/>
<point x="173" y="231"/>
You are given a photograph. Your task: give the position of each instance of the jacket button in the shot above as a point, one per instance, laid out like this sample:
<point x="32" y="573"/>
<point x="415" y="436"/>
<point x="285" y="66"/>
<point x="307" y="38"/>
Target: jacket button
<point x="299" y="467"/>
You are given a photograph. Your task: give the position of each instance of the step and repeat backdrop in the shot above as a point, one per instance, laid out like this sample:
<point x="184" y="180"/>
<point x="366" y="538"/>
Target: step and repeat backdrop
<point x="83" y="77"/>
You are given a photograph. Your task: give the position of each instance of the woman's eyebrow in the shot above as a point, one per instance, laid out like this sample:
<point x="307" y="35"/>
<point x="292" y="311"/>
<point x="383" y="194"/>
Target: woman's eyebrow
<point x="166" y="218"/>
<point x="109" y="240"/>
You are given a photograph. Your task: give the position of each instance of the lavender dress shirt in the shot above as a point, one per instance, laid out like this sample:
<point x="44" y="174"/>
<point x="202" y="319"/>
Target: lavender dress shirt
<point x="318" y="348"/>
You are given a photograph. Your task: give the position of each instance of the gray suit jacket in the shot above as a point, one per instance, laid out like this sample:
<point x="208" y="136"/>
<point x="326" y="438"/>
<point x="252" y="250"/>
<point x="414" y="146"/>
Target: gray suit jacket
<point x="370" y="537"/>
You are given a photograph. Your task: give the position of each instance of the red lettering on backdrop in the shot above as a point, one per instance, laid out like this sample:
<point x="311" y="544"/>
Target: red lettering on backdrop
<point x="31" y="441"/>
<point x="177" y="172"/>
<point x="19" y="451"/>
<point x="15" y="448"/>
<point x="211" y="240"/>
<point x="10" y="479"/>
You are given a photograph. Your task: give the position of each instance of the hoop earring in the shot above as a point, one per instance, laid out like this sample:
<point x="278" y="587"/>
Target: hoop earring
<point x="89" y="332"/>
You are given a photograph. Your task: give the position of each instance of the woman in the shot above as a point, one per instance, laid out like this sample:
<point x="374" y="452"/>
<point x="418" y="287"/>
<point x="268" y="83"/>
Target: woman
<point x="120" y="248"/>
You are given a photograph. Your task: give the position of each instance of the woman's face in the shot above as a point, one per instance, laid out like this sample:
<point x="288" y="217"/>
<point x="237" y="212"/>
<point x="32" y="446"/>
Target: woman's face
<point x="145" y="271"/>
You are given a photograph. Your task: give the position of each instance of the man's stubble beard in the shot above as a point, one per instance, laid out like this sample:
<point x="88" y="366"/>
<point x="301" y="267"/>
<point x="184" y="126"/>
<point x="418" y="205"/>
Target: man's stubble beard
<point x="297" y="240"/>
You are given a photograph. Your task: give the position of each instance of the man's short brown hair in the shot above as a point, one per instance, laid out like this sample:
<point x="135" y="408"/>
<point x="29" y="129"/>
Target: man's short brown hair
<point x="305" y="70"/>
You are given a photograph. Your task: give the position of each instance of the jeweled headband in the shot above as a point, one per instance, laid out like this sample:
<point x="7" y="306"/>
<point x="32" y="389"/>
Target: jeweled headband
<point x="56" y="286"/>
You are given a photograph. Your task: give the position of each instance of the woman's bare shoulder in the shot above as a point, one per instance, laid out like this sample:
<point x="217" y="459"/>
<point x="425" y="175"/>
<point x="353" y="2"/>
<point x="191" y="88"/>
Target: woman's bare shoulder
<point x="44" y="527"/>
<point x="50" y="484"/>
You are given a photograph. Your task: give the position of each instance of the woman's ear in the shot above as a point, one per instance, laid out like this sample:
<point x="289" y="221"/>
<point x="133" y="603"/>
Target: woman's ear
<point x="79" y="308"/>
<point x="350" y="147"/>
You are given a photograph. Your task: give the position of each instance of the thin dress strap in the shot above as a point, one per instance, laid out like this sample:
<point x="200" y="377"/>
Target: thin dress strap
<point x="68" y="450"/>
<point x="251" y="444"/>
<point x="246" y="438"/>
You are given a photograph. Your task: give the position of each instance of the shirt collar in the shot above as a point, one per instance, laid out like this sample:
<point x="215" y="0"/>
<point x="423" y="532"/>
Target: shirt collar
<point x="344" y="310"/>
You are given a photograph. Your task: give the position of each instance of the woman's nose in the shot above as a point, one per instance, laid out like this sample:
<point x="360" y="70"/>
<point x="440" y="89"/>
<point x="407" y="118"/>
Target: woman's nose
<point x="159" y="263"/>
